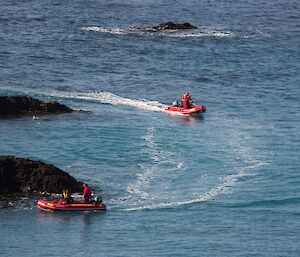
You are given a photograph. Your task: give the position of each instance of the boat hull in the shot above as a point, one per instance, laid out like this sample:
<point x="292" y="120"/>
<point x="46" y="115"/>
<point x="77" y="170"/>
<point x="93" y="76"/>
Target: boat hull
<point x="197" y="109"/>
<point x="61" y="205"/>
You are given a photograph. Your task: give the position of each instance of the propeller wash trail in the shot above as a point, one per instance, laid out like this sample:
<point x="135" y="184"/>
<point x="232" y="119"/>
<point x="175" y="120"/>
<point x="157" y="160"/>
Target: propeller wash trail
<point x="160" y="158"/>
<point x="102" y="97"/>
<point x="223" y="188"/>
<point x="154" y="178"/>
<point x="152" y="189"/>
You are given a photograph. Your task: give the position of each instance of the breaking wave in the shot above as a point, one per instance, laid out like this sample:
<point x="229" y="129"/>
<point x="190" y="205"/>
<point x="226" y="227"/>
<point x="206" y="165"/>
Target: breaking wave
<point x="116" y="31"/>
<point x="195" y="33"/>
<point x="202" y="32"/>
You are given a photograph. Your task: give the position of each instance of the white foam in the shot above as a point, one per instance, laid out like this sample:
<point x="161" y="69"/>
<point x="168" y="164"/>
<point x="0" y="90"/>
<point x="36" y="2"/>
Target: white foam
<point x="110" y="98"/>
<point x="102" y="97"/>
<point x="154" y="172"/>
<point x="227" y="183"/>
<point x="201" y="32"/>
<point x="113" y="99"/>
<point x="240" y="146"/>
<point x="116" y="31"/>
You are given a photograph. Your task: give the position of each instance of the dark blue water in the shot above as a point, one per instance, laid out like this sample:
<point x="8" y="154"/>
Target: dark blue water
<point x="224" y="184"/>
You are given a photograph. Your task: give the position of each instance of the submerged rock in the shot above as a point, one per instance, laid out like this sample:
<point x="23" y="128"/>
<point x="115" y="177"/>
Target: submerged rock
<point x="20" y="176"/>
<point x="24" y="105"/>
<point x="172" y="26"/>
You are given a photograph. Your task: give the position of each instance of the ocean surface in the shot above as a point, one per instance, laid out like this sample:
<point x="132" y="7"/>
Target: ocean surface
<point x="223" y="184"/>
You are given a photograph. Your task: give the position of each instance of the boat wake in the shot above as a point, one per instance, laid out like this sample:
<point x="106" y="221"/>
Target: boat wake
<point x="164" y="164"/>
<point x="102" y="97"/>
<point x="227" y="183"/>
<point x="166" y="183"/>
<point x="113" y="99"/>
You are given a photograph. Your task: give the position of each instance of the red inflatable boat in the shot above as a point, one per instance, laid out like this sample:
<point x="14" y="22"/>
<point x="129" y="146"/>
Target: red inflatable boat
<point x="76" y="205"/>
<point x="196" y="109"/>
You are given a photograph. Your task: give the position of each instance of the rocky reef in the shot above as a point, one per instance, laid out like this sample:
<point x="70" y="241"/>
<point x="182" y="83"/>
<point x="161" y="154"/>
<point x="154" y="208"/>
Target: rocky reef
<point x="172" y="26"/>
<point x="164" y="27"/>
<point x="24" y="105"/>
<point x="24" y="177"/>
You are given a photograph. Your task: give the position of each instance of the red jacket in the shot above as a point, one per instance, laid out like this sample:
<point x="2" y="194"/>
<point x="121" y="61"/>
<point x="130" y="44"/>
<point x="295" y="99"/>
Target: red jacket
<point x="186" y="101"/>
<point x="87" y="193"/>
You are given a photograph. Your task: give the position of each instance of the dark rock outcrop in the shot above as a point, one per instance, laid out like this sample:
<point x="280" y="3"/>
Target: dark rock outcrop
<point x="20" y="176"/>
<point x="172" y="26"/>
<point x="24" y="105"/>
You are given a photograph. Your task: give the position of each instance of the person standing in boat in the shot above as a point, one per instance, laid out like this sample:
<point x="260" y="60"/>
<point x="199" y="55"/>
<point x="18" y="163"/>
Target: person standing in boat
<point x="87" y="194"/>
<point x="186" y="100"/>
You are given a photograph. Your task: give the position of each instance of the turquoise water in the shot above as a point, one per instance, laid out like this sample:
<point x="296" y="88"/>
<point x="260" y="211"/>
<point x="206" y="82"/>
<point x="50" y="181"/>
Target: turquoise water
<point x="222" y="184"/>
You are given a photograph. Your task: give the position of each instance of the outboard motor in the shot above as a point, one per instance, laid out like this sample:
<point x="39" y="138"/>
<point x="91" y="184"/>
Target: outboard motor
<point x="98" y="199"/>
<point x="175" y="104"/>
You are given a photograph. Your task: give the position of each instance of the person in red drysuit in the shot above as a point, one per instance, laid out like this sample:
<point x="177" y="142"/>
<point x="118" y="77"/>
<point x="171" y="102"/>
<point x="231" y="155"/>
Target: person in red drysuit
<point x="186" y="100"/>
<point x="87" y="194"/>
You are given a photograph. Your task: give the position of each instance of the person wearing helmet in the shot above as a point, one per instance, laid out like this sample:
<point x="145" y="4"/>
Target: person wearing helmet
<point x="67" y="196"/>
<point x="87" y="194"/>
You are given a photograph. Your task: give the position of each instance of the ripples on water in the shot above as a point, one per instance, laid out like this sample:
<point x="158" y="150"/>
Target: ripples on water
<point x="222" y="184"/>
